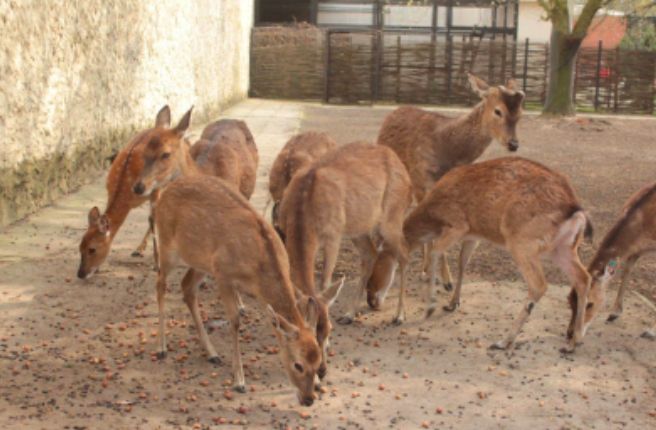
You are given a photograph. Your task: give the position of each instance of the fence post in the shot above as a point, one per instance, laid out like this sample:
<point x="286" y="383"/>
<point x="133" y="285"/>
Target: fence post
<point x="326" y="67"/>
<point x="617" y="79"/>
<point x="598" y="77"/>
<point x="376" y="66"/>
<point x="525" y="65"/>
<point x="398" y="69"/>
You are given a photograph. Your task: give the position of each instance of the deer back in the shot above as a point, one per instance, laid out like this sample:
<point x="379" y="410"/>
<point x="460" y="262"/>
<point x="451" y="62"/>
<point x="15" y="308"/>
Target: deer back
<point x="227" y="150"/>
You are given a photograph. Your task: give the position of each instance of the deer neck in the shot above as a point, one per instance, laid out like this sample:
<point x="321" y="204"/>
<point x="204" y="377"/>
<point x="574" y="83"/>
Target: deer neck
<point x="188" y="166"/>
<point x="116" y="212"/>
<point x="467" y="137"/>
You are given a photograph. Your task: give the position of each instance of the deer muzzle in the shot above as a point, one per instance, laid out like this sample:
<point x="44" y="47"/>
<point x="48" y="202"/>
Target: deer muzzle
<point x="139" y="188"/>
<point x="513" y="145"/>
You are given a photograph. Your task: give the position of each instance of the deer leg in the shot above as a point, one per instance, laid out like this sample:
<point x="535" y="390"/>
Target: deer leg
<point x="529" y="266"/>
<point x="445" y="273"/>
<point x="444" y="241"/>
<point x="161" y="293"/>
<point x="466" y="251"/>
<point x="368" y="253"/>
<point x="617" y="307"/>
<point x="568" y="261"/>
<point x="330" y="252"/>
<point x="190" y="295"/>
<point x="229" y="298"/>
<point x="139" y="252"/>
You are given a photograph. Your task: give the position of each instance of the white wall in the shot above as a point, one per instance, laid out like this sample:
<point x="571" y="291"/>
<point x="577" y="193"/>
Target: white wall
<point x="79" y="76"/>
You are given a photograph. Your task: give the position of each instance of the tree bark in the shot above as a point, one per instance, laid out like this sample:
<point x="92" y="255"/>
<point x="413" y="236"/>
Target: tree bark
<point x="562" y="62"/>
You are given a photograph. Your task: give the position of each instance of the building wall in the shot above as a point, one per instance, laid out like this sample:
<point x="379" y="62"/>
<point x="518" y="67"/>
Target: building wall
<point x="531" y="25"/>
<point x="78" y="78"/>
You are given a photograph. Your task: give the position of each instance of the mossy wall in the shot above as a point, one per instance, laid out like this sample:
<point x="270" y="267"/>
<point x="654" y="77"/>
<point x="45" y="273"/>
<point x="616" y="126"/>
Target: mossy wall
<point x="77" y="79"/>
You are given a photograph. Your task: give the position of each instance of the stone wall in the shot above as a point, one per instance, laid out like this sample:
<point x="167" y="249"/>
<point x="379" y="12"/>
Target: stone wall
<point x="78" y="78"/>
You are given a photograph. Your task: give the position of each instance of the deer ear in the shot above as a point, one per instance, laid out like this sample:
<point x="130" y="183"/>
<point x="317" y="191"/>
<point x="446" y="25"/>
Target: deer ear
<point x="103" y="224"/>
<point x="330" y="294"/>
<point x="163" y="118"/>
<point x="477" y="84"/>
<point x="309" y="308"/>
<point x="283" y="328"/>
<point x="183" y="125"/>
<point x="94" y="215"/>
<point x="511" y="84"/>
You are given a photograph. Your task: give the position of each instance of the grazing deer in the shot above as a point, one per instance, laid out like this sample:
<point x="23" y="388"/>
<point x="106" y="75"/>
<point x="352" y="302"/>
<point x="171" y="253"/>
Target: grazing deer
<point x="358" y="191"/>
<point x="207" y="224"/>
<point x="430" y="144"/>
<point x="517" y="204"/>
<point x="632" y="236"/>
<point x="299" y="152"/>
<point x="125" y="168"/>
<point x="226" y="149"/>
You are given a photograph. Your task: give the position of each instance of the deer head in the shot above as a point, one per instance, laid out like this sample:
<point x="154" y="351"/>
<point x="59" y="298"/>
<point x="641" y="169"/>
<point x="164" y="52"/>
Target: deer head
<point x="502" y="108"/>
<point x="164" y="157"/>
<point x="320" y="306"/>
<point x="299" y="352"/>
<point x="95" y="244"/>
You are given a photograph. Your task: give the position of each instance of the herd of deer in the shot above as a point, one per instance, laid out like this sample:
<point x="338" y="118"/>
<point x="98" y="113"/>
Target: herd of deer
<point x="322" y="192"/>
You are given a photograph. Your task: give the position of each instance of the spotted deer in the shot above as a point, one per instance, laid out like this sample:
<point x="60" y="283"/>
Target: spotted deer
<point x="207" y="224"/>
<point x="632" y="236"/>
<point x="430" y="144"/>
<point x="299" y="152"/>
<point x="358" y="191"/>
<point x="519" y="205"/>
<point x="103" y="227"/>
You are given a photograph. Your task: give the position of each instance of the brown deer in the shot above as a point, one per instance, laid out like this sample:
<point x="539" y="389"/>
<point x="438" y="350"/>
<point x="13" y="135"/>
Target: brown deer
<point x="299" y="152"/>
<point x="210" y="226"/>
<point x="358" y="191"/>
<point x="519" y="205"/>
<point x="632" y="236"/>
<point x="125" y="168"/>
<point x="226" y="149"/>
<point x="430" y="144"/>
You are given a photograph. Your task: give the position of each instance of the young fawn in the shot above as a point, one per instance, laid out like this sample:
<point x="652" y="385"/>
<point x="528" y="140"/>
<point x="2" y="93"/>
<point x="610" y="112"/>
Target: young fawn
<point x="430" y="144"/>
<point x="359" y="191"/>
<point x="226" y="149"/>
<point x="632" y="236"/>
<point x="299" y="152"/>
<point x="125" y="168"/>
<point x="519" y="205"/>
<point x="207" y="224"/>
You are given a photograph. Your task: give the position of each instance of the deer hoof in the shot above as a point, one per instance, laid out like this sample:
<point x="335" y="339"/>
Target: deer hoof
<point x="448" y="287"/>
<point x="161" y="355"/>
<point x="612" y="317"/>
<point x="242" y="312"/>
<point x="570" y="333"/>
<point x="451" y="307"/>
<point x="240" y="388"/>
<point x="648" y="334"/>
<point x="345" y="320"/>
<point x="137" y="254"/>
<point x="430" y="311"/>
<point x="398" y="321"/>
<point x="501" y="345"/>
<point x="215" y="360"/>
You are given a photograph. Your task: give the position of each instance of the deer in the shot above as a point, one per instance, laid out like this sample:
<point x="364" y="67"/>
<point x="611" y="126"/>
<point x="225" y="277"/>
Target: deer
<point x="103" y="227"/>
<point x="519" y="205"/>
<point x="359" y="191"/>
<point x="207" y="224"/>
<point x="632" y="236"/>
<point x="226" y="149"/>
<point x="430" y="144"/>
<point x="299" y="152"/>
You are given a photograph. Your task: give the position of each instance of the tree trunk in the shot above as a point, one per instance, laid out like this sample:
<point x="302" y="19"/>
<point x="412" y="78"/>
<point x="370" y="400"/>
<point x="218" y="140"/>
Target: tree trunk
<point x="562" y="62"/>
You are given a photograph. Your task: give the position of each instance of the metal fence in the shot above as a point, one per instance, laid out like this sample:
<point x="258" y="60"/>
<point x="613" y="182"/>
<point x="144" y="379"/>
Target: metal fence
<point x="346" y="66"/>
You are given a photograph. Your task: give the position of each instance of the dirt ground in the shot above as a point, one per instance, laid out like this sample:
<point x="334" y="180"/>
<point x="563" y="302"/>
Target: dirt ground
<point x="79" y="355"/>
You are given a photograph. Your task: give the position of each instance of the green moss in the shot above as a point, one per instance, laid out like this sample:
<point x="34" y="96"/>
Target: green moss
<point x="36" y="183"/>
